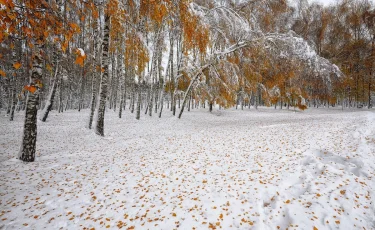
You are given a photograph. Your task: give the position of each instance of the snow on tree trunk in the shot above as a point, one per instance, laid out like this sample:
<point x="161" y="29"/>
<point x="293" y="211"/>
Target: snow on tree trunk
<point x="161" y="97"/>
<point x="99" y="129"/>
<point x="93" y="100"/>
<point x="115" y="86"/>
<point x="81" y="90"/>
<point x="95" y="75"/>
<point x="27" y="150"/>
<point x="157" y="93"/>
<point x="151" y="99"/>
<point x="189" y="89"/>
<point x="13" y="87"/>
<point x="132" y="99"/>
<point x="160" y="89"/>
<point x="8" y="96"/>
<point x="14" y="98"/>
<point x="61" y="103"/>
<point x="147" y="98"/>
<point x="171" y="87"/>
<point x="121" y="100"/>
<point x="138" y="114"/>
<point x="121" y="77"/>
<point x="51" y="96"/>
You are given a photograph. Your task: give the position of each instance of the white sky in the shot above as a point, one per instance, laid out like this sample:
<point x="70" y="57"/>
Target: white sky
<point x="323" y="2"/>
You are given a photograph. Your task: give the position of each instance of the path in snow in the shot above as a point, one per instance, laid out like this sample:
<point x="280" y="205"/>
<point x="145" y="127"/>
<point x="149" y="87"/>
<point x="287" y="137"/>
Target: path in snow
<point x="263" y="169"/>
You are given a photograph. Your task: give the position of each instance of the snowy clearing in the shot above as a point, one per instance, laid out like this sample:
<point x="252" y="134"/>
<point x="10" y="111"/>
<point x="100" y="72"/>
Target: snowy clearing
<point x="265" y="169"/>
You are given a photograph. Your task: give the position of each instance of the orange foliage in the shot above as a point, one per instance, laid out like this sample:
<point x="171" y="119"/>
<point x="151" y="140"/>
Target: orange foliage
<point x="136" y="55"/>
<point x="30" y="88"/>
<point x="2" y="73"/>
<point x="80" y="58"/>
<point x="17" y="65"/>
<point x="196" y="35"/>
<point x="32" y="24"/>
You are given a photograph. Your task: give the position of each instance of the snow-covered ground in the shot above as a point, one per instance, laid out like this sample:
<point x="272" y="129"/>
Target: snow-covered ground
<point x="265" y="169"/>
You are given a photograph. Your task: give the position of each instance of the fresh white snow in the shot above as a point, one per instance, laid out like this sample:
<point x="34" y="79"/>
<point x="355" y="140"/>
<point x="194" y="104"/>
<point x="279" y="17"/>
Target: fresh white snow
<point x="81" y="52"/>
<point x="231" y="169"/>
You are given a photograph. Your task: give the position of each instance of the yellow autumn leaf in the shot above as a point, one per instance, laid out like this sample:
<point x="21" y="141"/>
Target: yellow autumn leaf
<point x="80" y="60"/>
<point x="80" y="57"/>
<point x="31" y="89"/>
<point x="49" y="67"/>
<point x="17" y="65"/>
<point x="39" y="84"/>
<point x="75" y="27"/>
<point x="287" y="202"/>
<point x="64" y="46"/>
<point x="2" y="73"/>
<point x="315" y="228"/>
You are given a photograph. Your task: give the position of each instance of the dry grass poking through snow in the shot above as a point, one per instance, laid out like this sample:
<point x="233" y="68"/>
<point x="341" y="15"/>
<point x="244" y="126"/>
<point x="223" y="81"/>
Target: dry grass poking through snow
<point x="232" y="169"/>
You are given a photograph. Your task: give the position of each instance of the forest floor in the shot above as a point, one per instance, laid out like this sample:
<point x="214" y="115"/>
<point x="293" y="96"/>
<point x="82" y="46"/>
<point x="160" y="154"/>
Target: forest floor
<point x="264" y="169"/>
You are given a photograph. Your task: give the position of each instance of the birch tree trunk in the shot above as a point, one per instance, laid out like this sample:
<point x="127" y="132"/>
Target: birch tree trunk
<point x="152" y="74"/>
<point x="189" y="89"/>
<point x="121" y="78"/>
<point x="171" y="88"/>
<point x="116" y="75"/>
<point x="82" y="70"/>
<point x="51" y="96"/>
<point x="95" y="75"/>
<point x="8" y="96"/>
<point x="132" y="98"/>
<point x="167" y="72"/>
<point x="121" y="100"/>
<point x="81" y="90"/>
<point x="99" y="129"/>
<point x="93" y="100"/>
<point x="61" y="105"/>
<point x="13" y="87"/>
<point x="371" y="72"/>
<point x="14" y="98"/>
<point x="27" y="150"/>
<point x="161" y="87"/>
<point x="138" y="116"/>
<point x="147" y="98"/>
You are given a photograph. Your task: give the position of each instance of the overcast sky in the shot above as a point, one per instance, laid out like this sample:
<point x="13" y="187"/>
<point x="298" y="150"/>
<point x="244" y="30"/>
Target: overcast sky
<point x="323" y="2"/>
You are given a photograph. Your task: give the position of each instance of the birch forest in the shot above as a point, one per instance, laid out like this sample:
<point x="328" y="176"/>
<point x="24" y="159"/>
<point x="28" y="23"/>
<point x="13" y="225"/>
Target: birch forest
<point x="187" y="114"/>
<point x="152" y="57"/>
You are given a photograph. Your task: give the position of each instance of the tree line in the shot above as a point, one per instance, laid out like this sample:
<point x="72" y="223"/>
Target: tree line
<point x="151" y="56"/>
